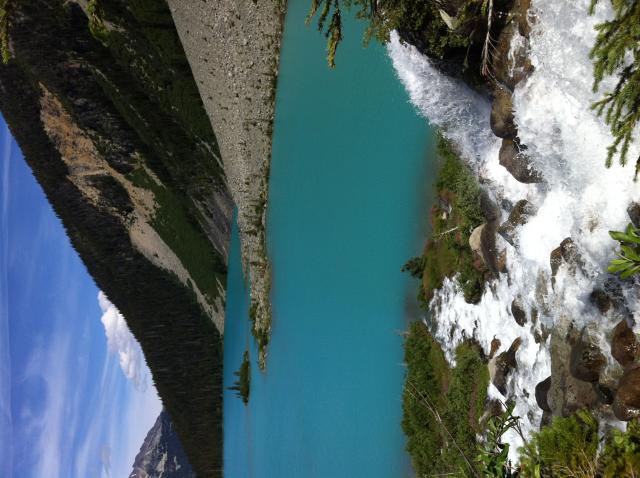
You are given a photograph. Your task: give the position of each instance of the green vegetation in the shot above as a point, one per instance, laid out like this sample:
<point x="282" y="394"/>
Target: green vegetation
<point x="96" y="22"/>
<point x="493" y="453"/>
<point x="242" y="386"/>
<point x="455" y="214"/>
<point x="421" y="18"/>
<point x="567" y="448"/>
<point x="621" y="455"/>
<point x="138" y="104"/>
<point x="179" y="230"/>
<point x="4" y="31"/>
<point x="442" y="406"/>
<point x="628" y="263"/>
<point x="617" y="51"/>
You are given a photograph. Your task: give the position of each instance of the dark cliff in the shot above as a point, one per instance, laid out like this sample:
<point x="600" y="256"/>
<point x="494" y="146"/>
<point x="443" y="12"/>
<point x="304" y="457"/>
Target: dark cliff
<point x="161" y="455"/>
<point x="102" y="103"/>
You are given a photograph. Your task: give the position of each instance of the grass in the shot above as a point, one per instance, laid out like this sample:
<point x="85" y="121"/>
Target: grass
<point x="457" y="396"/>
<point x="447" y="252"/>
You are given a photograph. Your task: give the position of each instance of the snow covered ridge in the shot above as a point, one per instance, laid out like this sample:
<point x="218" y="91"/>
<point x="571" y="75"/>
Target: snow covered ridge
<point x="579" y="198"/>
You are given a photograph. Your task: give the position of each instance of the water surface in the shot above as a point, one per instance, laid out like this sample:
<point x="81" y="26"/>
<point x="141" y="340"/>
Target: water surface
<point x="347" y="207"/>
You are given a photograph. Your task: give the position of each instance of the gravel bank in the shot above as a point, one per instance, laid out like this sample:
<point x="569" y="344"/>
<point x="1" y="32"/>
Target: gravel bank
<point x="233" y="48"/>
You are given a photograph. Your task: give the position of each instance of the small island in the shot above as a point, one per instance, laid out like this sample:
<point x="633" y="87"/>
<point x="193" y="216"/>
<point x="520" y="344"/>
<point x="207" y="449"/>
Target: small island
<point x="242" y="386"/>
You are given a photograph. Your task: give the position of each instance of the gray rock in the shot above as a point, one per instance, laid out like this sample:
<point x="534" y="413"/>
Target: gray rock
<point x="502" y="120"/>
<point x="634" y="213"/>
<point x="514" y="159"/>
<point x="519" y="215"/>
<point x="566" y="393"/>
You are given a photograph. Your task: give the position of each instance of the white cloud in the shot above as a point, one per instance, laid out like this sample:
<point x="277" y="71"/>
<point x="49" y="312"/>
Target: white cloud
<point x="121" y="341"/>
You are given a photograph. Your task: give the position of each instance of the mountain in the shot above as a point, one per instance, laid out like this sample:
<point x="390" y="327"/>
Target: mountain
<point x="101" y="100"/>
<point x="161" y="454"/>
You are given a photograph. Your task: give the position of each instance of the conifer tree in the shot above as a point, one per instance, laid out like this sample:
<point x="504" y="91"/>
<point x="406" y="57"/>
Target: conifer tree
<point x="617" y="51"/>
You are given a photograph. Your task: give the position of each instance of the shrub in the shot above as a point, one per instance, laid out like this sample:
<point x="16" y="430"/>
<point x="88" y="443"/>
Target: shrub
<point x="628" y="263"/>
<point x="565" y="449"/>
<point x="621" y="455"/>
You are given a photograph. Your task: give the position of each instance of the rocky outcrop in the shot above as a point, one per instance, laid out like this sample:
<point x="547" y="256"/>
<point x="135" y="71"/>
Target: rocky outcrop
<point x="626" y="405"/>
<point x="131" y="171"/>
<point x="233" y="49"/>
<point x="161" y="454"/>
<point x="519" y="215"/>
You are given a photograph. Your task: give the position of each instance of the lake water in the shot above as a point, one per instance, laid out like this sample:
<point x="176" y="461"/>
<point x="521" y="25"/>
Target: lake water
<point x="351" y="169"/>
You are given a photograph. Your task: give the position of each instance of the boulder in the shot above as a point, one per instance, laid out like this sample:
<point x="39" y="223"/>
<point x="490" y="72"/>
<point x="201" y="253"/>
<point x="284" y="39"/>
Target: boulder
<point x="542" y="389"/>
<point x="501" y="120"/>
<point x="483" y="243"/>
<point x="518" y="312"/>
<point x="514" y="159"/>
<point x="519" y="215"/>
<point x="568" y="253"/>
<point x="634" y="213"/>
<point x="566" y="393"/>
<point x="601" y="300"/>
<point x="502" y="366"/>
<point x="587" y="360"/>
<point x="495" y="346"/>
<point x="624" y="344"/>
<point x="626" y="405"/>
<point x="605" y="394"/>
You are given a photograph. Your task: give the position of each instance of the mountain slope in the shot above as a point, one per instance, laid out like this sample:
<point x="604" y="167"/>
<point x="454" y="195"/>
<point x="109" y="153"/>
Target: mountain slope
<point x="161" y="454"/>
<point x="129" y="162"/>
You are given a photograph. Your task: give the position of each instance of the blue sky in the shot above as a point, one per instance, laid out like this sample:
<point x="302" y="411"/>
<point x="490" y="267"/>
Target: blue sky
<point x="76" y="398"/>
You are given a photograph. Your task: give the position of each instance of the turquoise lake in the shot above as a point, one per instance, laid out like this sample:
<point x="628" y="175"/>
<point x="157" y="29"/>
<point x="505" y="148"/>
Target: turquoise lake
<point x="349" y="201"/>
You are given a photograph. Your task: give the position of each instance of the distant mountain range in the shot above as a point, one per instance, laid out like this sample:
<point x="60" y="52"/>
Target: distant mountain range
<point x="161" y="454"/>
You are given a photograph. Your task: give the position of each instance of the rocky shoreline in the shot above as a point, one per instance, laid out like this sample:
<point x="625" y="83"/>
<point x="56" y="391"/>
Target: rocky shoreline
<point x="233" y="49"/>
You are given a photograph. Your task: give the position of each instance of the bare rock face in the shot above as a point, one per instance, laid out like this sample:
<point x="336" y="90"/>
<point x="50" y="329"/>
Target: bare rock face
<point x="587" y="360"/>
<point x="624" y="344"/>
<point x="502" y="119"/>
<point x="503" y="365"/>
<point x="514" y="159"/>
<point x="542" y="389"/>
<point x="627" y="402"/>
<point x="161" y="454"/>
<point x="519" y="215"/>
